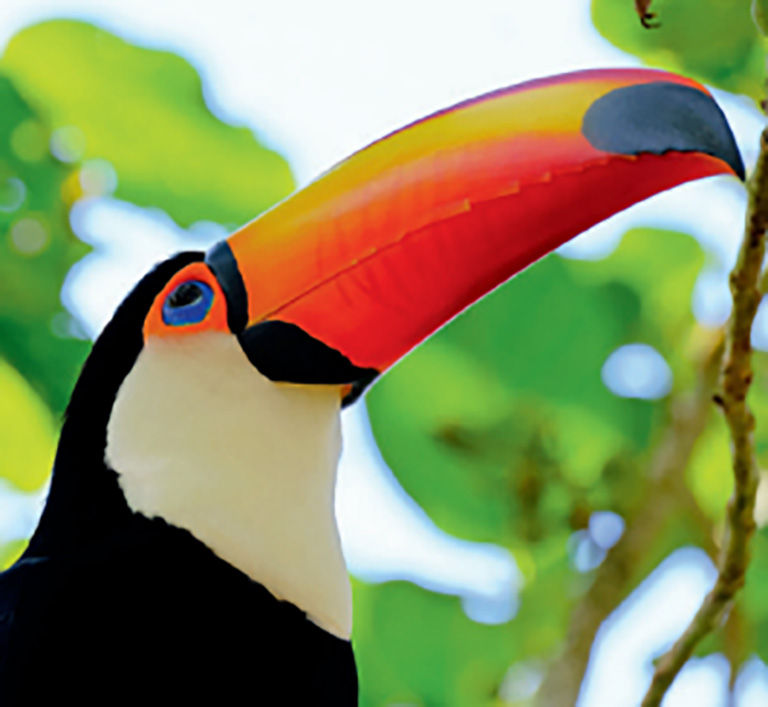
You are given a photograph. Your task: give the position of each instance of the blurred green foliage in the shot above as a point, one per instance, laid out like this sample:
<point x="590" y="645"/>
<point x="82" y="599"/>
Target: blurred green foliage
<point x="500" y="426"/>
<point x="36" y="252"/>
<point x="715" y="41"/>
<point x="27" y="432"/>
<point x="420" y="648"/>
<point x="143" y="111"/>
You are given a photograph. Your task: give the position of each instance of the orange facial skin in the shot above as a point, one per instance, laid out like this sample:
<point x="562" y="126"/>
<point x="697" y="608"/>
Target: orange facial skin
<point x="215" y="319"/>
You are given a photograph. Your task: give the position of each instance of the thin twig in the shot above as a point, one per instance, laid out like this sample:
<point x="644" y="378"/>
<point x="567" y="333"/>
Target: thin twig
<point x="735" y="379"/>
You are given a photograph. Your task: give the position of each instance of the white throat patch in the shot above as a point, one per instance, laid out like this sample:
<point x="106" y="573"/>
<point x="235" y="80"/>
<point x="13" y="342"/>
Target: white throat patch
<point x="201" y="439"/>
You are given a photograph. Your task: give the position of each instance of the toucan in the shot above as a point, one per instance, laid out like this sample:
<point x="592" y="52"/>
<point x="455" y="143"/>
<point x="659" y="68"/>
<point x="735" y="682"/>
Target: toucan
<point x="188" y="550"/>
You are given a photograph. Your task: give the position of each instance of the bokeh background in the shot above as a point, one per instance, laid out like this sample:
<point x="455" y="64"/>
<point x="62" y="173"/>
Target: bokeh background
<point x="550" y="462"/>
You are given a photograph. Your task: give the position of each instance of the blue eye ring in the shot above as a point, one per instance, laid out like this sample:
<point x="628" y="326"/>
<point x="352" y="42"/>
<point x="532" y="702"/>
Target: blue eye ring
<point x="188" y="303"/>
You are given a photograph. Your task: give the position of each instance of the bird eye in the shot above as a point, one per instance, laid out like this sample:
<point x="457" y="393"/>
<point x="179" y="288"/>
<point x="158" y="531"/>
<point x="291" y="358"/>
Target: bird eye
<point x="187" y="304"/>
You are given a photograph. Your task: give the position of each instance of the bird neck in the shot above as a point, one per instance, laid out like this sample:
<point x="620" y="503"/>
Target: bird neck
<point x="199" y="438"/>
<point x="85" y="502"/>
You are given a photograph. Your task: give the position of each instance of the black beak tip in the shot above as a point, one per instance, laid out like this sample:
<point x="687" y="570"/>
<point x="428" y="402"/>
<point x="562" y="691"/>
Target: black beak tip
<point x="659" y="117"/>
<point x="737" y="165"/>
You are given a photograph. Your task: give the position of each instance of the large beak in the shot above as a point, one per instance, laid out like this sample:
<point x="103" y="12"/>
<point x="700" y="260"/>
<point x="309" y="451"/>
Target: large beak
<point x="388" y="245"/>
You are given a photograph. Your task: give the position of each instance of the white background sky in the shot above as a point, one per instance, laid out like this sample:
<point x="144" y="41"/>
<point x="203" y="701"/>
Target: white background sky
<point x="318" y="80"/>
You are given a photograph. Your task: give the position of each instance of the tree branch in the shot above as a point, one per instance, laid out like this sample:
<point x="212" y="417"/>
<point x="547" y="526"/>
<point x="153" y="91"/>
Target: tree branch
<point x="665" y="494"/>
<point x="735" y="379"/>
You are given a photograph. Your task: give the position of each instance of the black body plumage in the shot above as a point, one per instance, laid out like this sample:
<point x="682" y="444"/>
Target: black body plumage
<point x="107" y="605"/>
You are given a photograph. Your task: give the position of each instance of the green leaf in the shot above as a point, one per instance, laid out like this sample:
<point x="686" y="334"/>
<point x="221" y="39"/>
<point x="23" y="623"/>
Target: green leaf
<point x="709" y="474"/>
<point x="417" y="647"/>
<point x="544" y="610"/>
<point x="37" y="249"/>
<point x="545" y="333"/>
<point x="421" y="419"/>
<point x="27" y="432"/>
<point x="660" y="267"/>
<point x="143" y="111"/>
<point x="715" y="41"/>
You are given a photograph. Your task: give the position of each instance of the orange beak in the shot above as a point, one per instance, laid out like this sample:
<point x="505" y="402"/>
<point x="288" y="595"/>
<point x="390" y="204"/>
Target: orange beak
<point x="388" y="245"/>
